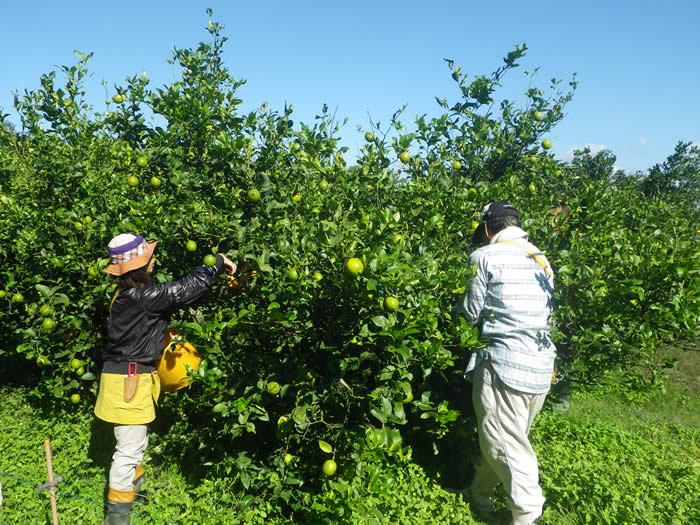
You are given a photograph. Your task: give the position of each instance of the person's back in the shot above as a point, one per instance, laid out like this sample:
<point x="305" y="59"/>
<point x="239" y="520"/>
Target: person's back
<point x="510" y="299"/>
<point x="515" y="312"/>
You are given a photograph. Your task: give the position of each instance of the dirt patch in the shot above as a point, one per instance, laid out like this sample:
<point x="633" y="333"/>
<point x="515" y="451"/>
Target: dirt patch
<point x="685" y="376"/>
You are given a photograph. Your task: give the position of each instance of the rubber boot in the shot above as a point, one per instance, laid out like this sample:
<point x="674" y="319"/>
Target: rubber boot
<point x="118" y="513"/>
<point x="139" y="479"/>
<point x="119" y="504"/>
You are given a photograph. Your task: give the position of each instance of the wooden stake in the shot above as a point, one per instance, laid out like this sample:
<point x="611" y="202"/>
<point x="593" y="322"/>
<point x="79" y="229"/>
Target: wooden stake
<point x="52" y="491"/>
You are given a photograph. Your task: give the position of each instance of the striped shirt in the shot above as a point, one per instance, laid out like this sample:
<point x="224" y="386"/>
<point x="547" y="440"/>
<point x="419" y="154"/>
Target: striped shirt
<point x="511" y="300"/>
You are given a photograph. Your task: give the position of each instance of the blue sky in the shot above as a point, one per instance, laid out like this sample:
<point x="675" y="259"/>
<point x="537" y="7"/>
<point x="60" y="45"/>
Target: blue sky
<point x="636" y="62"/>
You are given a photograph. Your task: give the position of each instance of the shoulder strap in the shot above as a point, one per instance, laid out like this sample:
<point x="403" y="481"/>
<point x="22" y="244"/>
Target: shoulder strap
<point x="116" y="294"/>
<point x="534" y="255"/>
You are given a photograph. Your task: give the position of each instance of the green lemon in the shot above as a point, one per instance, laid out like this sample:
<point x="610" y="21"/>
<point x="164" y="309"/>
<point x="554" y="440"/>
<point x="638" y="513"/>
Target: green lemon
<point x="329" y="467"/>
<point x="391" y="304"/>
<point x="354" y="266"/>
<point x="253" y="195"/>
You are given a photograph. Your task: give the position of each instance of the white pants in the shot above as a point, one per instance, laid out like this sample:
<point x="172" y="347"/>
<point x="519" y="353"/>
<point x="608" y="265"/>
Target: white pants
<point x="504" y="417"/>
<point x="131" y="445"/>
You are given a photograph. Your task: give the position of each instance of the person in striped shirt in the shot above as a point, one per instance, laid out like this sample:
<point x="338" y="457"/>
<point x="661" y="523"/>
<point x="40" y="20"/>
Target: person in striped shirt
<point x="510" y="299"/>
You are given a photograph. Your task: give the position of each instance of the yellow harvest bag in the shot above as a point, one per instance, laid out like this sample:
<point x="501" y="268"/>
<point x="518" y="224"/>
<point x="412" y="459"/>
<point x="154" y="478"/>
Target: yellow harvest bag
<point x="171" y="368"/>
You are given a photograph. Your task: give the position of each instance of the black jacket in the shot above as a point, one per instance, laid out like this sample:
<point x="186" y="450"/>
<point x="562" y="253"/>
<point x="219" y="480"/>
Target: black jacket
<point x="139" y="318"/>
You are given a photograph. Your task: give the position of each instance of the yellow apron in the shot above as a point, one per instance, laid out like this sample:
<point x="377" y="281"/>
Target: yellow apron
<point x="113" y="408"/>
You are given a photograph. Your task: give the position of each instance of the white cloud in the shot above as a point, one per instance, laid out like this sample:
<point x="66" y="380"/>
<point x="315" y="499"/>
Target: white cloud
<point x="641" y="146"/>
<point x="569" y="155"/>
<point x="595" y="148"/>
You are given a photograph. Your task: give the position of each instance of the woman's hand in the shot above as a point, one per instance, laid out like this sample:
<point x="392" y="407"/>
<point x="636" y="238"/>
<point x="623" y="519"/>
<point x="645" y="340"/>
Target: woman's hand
<point x="229" y="264"/>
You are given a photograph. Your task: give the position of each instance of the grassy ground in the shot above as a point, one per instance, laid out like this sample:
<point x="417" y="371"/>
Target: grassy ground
<point x="626" y="458"/>
<point x="81" y="456"/>
<point x="613" y="458"/>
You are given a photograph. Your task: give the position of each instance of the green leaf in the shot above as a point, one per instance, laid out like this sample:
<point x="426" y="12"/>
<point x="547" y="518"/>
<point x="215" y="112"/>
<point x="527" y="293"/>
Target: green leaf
<point x="299" y="416"/>
<point x="380" y="321"/>
<point x="382" y="417"/>
<point x="383" y="411"/>
<point x="326" y="447"/>
<point x="44" y="290"/>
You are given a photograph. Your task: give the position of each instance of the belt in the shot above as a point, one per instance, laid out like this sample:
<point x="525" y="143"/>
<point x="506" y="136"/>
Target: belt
<point x="122" y="367"/>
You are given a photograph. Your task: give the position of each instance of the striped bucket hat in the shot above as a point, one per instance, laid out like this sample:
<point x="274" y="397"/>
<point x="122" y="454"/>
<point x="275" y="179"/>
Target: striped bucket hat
<point x="128" y="252"/>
